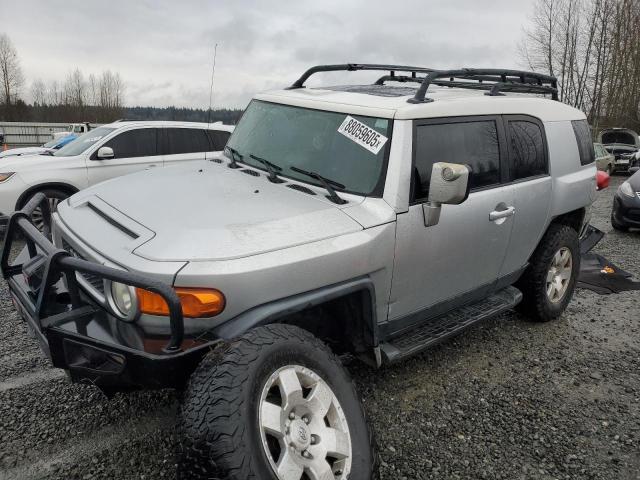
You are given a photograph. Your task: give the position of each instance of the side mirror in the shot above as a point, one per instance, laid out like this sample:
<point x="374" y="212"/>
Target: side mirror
<point x="602" y="180"/>
<point x="105" y="153"/>
<point x="449" y="185"/>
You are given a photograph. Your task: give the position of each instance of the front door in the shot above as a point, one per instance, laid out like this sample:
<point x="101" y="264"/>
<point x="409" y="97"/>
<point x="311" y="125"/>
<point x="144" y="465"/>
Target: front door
<point x="443" y="266"/>
<point x="133" y="150"/>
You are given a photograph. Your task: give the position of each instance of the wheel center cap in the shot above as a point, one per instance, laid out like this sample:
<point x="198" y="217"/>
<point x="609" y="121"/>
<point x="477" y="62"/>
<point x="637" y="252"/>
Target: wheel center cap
<point x="300" y="435"/>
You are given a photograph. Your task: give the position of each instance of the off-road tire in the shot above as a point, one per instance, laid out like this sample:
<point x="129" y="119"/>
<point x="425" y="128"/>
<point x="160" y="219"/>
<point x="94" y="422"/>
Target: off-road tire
<point x="535" y="302"/>
<point x="218" y="433"/>
<point x="618" y="226"/>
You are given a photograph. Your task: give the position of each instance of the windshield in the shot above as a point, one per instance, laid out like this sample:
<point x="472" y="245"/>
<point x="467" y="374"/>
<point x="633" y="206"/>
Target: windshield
<point x="83" y="142"/>
<point x="348" y="149"/>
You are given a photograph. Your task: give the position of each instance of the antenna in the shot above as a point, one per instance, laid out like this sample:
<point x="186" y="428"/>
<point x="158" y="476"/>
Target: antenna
<point x="213" y="72"/>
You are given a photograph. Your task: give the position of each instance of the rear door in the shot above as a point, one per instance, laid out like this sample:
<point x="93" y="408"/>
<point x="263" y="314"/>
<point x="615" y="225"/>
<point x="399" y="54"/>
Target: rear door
<point x="185" y="145"/>
<point x="528" y="173"/>
<point x="133" y="150"/>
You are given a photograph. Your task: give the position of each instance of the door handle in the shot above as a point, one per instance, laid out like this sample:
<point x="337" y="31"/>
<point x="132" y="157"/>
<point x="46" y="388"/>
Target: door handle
<point x="498" y="214"/>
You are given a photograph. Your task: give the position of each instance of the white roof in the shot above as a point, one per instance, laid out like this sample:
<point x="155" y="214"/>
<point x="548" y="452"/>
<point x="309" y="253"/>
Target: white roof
<point x="446" y="102"/>
<point x="165" y="123"/>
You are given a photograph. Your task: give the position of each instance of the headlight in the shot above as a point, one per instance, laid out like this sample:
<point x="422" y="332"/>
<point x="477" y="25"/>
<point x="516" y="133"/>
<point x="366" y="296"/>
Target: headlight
<point x="626" y="189"/>
<point x="123" y="300"/>
<point x="6" y="176"/>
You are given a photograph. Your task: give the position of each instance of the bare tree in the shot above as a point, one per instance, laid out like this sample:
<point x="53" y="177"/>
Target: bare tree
<point x="39" y="92"/>
<point x="93" y="94"/>
<point x="111" y="90"/>
<point x="74" y="89"/>
<point x="54" y="96"/>
<point x="593" y="48"/>
<point x="10" y="71"/>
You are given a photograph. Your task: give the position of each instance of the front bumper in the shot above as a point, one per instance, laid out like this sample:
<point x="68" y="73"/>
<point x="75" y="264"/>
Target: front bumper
<point x="82" y="337"/>
<point x="626" y="210"/>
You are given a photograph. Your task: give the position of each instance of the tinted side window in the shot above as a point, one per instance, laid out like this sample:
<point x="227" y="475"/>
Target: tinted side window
<point x="471" y="143"/>
<point x="218" y="139"/>
<point x="186" y="140"/>
<point x="527" y="149"/>
<point x="134" y="143"/>
<point x="585" y="145"/>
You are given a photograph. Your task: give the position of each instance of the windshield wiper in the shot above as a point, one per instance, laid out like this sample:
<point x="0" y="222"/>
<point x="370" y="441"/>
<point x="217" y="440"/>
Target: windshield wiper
<point x="326" y="183"/>
<point x="234" y="154"/>
<point x="272" y="168"/>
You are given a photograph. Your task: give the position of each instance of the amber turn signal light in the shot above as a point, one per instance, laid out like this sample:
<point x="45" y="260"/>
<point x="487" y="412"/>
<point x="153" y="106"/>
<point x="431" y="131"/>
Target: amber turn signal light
<point x="196" y="302"/>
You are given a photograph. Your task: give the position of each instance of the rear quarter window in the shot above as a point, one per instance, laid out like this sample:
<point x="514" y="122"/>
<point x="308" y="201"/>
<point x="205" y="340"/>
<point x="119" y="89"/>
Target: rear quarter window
<point x="583" y="138"/>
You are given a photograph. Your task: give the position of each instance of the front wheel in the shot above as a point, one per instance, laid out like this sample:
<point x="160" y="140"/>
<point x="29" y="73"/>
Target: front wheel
<point x="548" y="283"/>
<point x="274" y="404"/>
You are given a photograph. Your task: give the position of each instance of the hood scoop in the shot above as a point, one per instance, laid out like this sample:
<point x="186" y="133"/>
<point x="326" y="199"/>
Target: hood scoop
<point x="113" y="221"/>
<point x="101" y="225"/>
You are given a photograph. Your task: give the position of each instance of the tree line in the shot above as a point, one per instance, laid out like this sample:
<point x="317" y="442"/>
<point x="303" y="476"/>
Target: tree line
<point x="593" y="48"/>
<point x="93" y="98"/>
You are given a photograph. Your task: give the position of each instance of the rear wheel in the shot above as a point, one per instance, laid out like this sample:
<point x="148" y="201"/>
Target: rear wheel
<point x="53" y="197"/>
<point x="548" y="283"/>
<point x="275" y="404"/>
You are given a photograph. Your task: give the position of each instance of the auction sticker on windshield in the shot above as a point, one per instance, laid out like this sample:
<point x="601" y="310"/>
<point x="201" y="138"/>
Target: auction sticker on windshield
<point x="363" y="135"/>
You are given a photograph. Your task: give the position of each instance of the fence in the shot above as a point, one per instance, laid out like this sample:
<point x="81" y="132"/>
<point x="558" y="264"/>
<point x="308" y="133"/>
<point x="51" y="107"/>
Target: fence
<point x="26" y="134"/>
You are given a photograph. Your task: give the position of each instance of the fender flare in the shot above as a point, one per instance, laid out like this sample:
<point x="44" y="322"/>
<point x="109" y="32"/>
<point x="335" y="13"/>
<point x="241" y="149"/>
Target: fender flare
<point x="271" y="312"/>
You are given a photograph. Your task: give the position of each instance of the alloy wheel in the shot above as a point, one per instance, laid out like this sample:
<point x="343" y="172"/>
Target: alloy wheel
<point x="559" y="275"/>
<point x="37" y="217"/>
<point x="303" y="428"/>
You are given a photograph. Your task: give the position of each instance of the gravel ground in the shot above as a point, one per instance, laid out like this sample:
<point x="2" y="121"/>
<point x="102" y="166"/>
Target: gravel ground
<point x="508" y="399"/>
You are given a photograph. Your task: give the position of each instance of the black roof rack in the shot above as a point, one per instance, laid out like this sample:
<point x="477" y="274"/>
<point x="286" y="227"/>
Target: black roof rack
<point x="492" y="79"/>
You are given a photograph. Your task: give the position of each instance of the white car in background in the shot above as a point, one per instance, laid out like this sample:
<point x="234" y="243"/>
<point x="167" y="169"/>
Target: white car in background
<point x="106" y="152"/>
<point x="47" y="148"/>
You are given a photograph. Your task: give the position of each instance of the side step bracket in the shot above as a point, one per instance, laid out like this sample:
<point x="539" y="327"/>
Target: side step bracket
<point x="445" y="326"/>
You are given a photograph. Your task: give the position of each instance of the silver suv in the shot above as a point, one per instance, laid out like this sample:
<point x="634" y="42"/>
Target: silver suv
<point x="371" y="220"/>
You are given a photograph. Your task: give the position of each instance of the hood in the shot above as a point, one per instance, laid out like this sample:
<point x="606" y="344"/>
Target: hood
<point x="619" y="136"/>
<point x="22" y="151"/>
<point x="17" y="163"/>
<point x="202" y="211"/>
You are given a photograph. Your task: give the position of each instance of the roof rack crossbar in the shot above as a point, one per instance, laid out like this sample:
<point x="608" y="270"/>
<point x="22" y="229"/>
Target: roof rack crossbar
<point x="473" y="78"/>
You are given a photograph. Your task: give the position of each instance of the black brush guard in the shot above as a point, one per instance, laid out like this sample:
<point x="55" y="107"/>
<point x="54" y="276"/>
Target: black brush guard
<point x="60" y="315"/>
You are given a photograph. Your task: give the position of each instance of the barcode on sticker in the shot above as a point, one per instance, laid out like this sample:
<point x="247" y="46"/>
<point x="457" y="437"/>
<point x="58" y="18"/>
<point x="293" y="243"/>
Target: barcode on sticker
<point x="363" y="135"/>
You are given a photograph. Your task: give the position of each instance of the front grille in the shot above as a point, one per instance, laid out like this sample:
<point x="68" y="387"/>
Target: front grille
<point x="96" y="282"/>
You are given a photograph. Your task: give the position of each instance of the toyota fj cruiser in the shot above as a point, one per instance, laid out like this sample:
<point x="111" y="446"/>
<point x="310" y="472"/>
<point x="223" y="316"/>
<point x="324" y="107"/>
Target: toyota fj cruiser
<point x="374" y="220"/>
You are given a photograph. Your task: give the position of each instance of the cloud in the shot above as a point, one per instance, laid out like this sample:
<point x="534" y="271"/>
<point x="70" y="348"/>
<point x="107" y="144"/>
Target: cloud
<point x="163" y="49"/>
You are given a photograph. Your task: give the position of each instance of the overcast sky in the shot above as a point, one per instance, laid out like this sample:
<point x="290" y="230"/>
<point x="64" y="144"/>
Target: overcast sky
<point x="163" y="49"/>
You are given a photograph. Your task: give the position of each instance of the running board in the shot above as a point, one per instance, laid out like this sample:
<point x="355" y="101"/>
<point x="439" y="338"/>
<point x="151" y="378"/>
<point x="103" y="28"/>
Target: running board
<point x="445" y="326"/>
